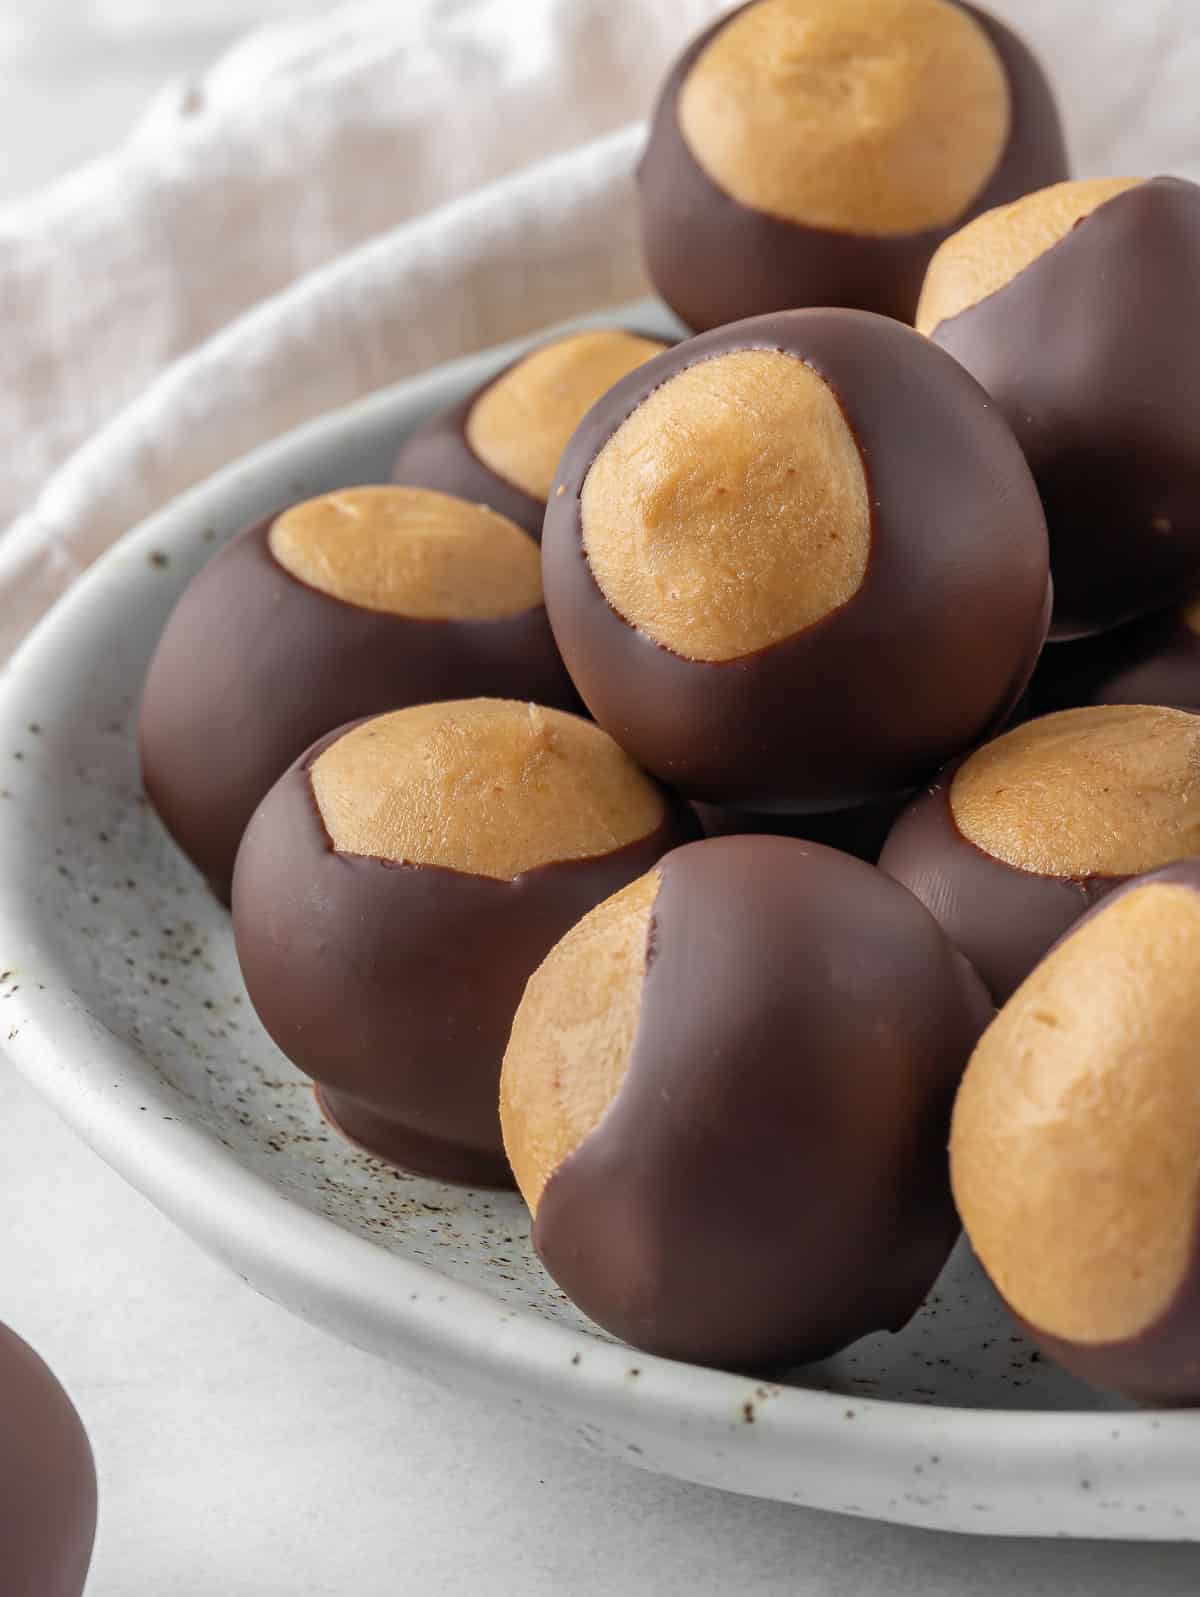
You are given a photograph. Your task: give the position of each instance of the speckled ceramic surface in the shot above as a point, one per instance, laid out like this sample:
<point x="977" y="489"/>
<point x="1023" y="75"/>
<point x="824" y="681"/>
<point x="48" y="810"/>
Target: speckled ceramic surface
<point x="120" y="999"/>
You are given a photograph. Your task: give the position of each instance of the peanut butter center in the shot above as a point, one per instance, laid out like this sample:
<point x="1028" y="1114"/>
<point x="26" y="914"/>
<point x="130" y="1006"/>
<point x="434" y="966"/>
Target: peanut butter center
<point x="1108" y="791"/>
<point x="879" y="117"/>
<point x="410" y="552"/>
<point x="486" y="786"/>
<point x="730" y="510"/>
<point x="1075" y="1149"/>
<point x="985" y="255"/>
<point x="520" y="424"/>
<point x="573" y="1036"/>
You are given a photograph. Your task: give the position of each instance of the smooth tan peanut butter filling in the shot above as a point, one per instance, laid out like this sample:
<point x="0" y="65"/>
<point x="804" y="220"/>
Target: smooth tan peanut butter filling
<point x="730" y="510"/>
<point x="1075" y="1149"/>
<point x="1108" y="791"/>
<point x="1191" y="616"/>
<point x="521" y="423"/>
<point x="879" y="117"/>
<point x="487" y="786"/>
<point x="986" y="254"/>
<point x="410" y="552"/>
<point x="573" y="1036"/>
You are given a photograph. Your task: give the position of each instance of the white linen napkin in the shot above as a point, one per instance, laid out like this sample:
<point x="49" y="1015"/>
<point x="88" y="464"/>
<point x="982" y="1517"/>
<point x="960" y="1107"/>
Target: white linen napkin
<point x="356" y="195"/>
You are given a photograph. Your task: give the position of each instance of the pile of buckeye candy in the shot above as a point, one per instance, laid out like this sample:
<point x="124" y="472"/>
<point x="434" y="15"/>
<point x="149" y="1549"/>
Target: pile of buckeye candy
<point x="677" y="868"/>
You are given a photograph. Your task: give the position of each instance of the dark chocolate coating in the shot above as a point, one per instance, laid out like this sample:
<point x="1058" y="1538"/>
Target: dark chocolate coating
<point x="394" y="986"/>
<point x="254" y="664"/>
<point x="47" y="1480"/>
<point x="1092" y="353"/>
<point x="715" y="260"/>
<point x="928" y="657"/>
<point x="1003" y="919"/>
<point x="1160" y="1366"/>
<point x="1152" y="661"/>
<point x="439" y="455"/>
<point x="771" y="1180"/>
<point x="861" y="832"/>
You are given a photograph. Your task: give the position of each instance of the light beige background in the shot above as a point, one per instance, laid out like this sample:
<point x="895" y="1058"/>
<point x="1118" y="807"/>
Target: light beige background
<point x="108" y="57"/>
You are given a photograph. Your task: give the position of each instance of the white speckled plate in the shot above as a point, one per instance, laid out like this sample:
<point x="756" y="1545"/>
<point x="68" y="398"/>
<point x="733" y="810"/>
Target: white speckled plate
<point x="120" y="1000"/>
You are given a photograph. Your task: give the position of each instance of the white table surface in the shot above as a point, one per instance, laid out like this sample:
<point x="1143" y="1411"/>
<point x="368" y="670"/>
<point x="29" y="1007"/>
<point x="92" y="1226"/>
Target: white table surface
<point x="242" y="1454"/>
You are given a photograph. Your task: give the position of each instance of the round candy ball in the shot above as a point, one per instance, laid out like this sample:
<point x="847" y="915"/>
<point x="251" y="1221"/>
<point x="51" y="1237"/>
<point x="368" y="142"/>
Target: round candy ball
<point x="1078" y="309"/>
<point x="797" y="563"/>
<point x="501" y="445"/>
<point x="1011" y="845"/>
<point x="359" y="601"/>
<point x="399" y="884"/>
<point x="726" y="1102"/>
<point x="816" y="152"/>
<point x="1152" y="661"/>
<point x="47" y="1480"/>
<point x="1076" y="1144"/>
